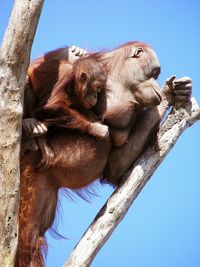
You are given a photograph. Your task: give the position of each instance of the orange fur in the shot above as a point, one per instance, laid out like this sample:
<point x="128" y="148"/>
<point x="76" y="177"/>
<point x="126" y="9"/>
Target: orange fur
<point x="79" y="158"/>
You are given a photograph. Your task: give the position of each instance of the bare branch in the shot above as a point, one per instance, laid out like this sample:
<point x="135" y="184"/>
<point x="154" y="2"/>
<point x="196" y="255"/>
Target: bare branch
<point x="118" y="204"/>
<point x="14" y="61"/>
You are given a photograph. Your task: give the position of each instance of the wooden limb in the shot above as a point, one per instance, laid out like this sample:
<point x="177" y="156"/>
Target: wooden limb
<point x="14" y="61"/>
<point x="118" y="204"/>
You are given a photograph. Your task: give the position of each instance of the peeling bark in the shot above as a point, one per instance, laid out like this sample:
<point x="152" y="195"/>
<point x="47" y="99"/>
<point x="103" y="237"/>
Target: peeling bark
<point x="14" y="61"/>
<point x="118" y="204"/>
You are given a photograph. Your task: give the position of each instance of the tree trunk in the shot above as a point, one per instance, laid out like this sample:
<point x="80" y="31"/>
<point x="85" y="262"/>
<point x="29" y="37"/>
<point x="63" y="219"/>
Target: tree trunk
<point x="14" y="61"/>
<point x="118" y="204"/>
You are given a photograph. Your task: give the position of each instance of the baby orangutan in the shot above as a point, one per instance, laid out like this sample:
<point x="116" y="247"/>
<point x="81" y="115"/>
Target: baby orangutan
<point x="70" y="105"/>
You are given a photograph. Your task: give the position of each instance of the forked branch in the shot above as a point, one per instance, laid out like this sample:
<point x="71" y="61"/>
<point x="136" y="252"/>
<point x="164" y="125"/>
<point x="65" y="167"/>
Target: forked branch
<point x="118" y="204"/>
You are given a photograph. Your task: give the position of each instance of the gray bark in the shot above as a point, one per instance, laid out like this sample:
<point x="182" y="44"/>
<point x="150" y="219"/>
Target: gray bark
<point x="14" y="61"/>
<point x="118" y="204"/>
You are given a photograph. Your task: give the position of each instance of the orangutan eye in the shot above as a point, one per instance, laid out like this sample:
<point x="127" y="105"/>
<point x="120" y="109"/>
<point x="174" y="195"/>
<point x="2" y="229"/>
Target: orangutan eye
<point x="94" y="95"/>
<point x="138" y="52"/>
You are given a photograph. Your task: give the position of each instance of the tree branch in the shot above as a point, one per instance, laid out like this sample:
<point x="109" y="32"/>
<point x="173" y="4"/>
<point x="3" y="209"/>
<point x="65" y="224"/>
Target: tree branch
<point x="118" y="204"/>
<point x="14" y="61"/>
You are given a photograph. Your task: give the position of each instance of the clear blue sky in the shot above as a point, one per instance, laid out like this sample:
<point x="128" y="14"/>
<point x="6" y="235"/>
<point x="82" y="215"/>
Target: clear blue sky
<point x="162" y="229"/>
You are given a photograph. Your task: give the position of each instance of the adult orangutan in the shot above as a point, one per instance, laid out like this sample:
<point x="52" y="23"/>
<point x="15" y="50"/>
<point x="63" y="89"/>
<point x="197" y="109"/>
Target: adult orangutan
<point x="131" y="107"/>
